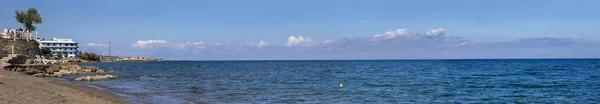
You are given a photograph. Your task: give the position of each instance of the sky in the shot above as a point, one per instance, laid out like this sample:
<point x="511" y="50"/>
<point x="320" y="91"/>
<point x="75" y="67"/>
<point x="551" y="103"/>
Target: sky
<point x="321" y="29"/>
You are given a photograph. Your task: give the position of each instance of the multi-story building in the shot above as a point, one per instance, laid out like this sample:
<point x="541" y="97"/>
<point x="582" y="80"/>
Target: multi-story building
<point x="61" y="47"/>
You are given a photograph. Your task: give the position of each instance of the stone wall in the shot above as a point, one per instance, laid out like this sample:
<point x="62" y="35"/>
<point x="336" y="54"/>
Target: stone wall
<point x="26" y="48"/>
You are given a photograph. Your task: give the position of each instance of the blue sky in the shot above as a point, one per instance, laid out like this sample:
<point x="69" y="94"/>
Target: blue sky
<point x="234" y="29"/>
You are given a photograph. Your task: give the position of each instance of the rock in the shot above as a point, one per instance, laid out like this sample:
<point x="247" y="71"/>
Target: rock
<point x="86" y="71"/>
<point x="33" y="71"/>
<point x="48" y="75"/>
<point x="111" y="71"/>
<point x="90" y="68"/>
<point x="144" y="77"/>
<point x="18" y="69"/>
<point x="100" y="71"/>
<point x="75" y="69"/>
<point x="58" y="74"/>
<point x="57" y="67"/>
<point x="39" y="75"/>
<point x="95" y="78"/>
<point x="65" y="71"/>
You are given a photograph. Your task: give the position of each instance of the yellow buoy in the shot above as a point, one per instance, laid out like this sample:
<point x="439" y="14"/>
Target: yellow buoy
<point x="341" y="85"/>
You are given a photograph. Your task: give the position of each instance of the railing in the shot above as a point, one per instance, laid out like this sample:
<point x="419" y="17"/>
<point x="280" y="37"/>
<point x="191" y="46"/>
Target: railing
<point x="60" y="46"/>
<point x="14" y="34"/>
<point x="63" y="50"/>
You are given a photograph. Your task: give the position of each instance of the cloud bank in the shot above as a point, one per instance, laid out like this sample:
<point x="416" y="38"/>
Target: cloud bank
<point x="397" y="44"/>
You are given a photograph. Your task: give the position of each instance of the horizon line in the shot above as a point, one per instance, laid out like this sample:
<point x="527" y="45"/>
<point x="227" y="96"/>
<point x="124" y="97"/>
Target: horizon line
<point x="415" y="59"/>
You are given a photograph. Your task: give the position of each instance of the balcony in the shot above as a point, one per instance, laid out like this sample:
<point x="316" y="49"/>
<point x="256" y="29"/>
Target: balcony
<point x="63" y="50"/>
<point x="60" y="46"/>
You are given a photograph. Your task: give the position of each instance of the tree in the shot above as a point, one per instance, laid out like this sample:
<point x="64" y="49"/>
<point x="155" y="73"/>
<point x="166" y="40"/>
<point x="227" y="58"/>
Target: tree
<point x="85" y="56"/>
<point x="79" y="54"/>
<point x="46" y="51"/>
<point x="60" y="54"/>
<point x="28" y="18"/>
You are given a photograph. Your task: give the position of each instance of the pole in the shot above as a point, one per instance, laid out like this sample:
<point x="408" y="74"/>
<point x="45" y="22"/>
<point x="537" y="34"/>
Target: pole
<point x="109" y="57"/>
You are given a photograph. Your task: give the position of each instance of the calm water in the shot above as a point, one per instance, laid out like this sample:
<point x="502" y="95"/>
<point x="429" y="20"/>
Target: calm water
<point x="405" y="81"/>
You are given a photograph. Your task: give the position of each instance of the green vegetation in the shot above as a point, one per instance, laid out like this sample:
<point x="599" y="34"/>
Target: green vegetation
<point x="88" y="56"/>
<point x="28" y="18"/>
<point x="46" y="51"/>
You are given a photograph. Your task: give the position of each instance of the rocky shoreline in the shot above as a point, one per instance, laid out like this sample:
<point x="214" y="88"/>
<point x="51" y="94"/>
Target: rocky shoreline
<point x="60" y="70"/>
<point x="19" y="88"/>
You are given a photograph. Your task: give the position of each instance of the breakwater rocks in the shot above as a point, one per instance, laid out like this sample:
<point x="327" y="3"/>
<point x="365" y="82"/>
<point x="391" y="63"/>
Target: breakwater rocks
<point x="60" y="70"/>
<point x="95" y="78"/>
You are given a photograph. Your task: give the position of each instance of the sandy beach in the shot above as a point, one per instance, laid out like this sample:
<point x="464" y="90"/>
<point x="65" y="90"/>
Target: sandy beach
<point x="18" y="88"/>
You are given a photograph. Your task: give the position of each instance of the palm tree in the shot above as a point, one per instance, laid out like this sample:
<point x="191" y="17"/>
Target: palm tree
<point x="28" y="18"/>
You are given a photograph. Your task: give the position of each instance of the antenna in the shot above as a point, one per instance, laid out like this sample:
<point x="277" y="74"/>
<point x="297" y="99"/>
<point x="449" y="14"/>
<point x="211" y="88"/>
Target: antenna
<point x="109" y="51"/>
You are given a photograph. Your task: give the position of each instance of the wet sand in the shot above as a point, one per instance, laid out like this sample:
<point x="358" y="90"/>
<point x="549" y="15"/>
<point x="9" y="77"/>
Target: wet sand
<point x="18" y="88"/>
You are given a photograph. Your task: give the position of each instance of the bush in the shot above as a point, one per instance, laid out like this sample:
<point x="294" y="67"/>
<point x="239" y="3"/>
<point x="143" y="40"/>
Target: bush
<point x="46" y="51"/>
<point x="89" y="56"/>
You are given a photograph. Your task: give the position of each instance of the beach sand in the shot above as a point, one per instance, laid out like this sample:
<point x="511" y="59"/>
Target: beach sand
<point x="18" y="88"/>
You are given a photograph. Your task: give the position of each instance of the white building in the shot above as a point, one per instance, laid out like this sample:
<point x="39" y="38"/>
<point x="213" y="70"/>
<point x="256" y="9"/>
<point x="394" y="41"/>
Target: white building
<point x="65" y="47"/>
<point x="18" y="34"/>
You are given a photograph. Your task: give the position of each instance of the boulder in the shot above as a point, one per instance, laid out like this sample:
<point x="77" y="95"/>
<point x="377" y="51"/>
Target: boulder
<point x="75" y="69"/>
<point x="39" y="75"/>
<point x="47" y="75"/>
<point x="66" y="71"/>
<point x="100" y="71"/>
<point x="18" y="69"/>
<point x="89" y="68"/>
<point x="33" y="71"/>
<point x="111" y="71"/>
<point x="95" y="78"/>
<point x="58" y="74"/>
<point x="57" y="67"/>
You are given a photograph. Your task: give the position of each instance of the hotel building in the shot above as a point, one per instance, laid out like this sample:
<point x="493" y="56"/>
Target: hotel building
<point x="64" y="47"/>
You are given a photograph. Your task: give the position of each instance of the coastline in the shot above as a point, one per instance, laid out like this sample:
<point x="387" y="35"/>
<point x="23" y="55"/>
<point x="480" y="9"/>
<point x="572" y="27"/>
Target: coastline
<point x="19" y="88"/>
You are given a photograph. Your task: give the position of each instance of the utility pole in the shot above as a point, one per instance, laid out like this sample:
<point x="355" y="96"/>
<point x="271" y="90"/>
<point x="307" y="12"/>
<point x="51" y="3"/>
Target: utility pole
<point x="109" y="57"/>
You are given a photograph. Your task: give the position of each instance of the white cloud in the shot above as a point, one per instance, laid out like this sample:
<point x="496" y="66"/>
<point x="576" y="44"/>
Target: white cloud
<point x="148" y="43"/>
<point x="435" y="32"/>
<point x="400" y="38"/>
<point x="262" y="44"/>
<point x="294" y="41"/>
<point x="191" y="45"/>
<point x="399" y="43"/>
<point x="393" y="34"/>
<point x="97" y="45"/>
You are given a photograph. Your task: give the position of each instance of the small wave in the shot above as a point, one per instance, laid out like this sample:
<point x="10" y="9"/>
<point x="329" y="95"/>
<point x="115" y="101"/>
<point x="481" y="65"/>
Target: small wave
<point x="448" y="94"/>
<point x="153" y="77"/>
<point x="379" y="85"/>
<point x="481" y="86"/>
<point x="487" y="75"/>
<point x="197" y="90"/>
<point x="538" y="85"/>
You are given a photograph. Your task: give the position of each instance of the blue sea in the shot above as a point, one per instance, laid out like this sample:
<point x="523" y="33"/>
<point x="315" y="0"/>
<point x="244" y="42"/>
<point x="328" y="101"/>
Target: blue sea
<point x="364" y="81"/>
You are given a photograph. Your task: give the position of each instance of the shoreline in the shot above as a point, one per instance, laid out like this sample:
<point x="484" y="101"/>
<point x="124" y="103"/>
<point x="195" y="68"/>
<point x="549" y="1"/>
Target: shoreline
<point x="17" y="87"/>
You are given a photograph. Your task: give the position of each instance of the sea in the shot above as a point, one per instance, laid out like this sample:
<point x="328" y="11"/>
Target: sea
<point x="364" y="81"/>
